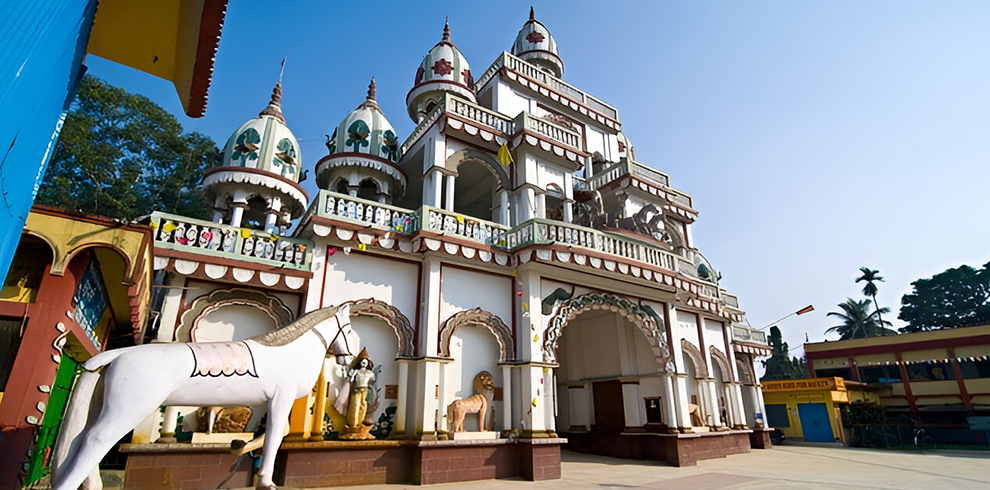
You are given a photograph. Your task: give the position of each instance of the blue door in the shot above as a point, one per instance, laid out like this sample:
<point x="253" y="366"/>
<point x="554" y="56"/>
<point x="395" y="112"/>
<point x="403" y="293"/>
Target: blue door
<point x="815" y="423"/>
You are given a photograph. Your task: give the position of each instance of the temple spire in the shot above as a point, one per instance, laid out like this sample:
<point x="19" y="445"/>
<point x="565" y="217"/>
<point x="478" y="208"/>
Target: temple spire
<point x="274" y="108"/>
<point x="532" y="15"/>
<point x="446" y="29"/>
<point x="372" y="90"/>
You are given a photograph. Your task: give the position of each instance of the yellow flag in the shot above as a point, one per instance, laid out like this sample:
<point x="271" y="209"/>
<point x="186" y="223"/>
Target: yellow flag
<point x="504" y="156"/>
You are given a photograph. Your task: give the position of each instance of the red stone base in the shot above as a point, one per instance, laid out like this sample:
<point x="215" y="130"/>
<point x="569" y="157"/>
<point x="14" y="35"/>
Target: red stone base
<point x="760" y="439"/>
<point x="676" y="449"/>
<point x="182" y="467"/>
<point x="341" y="463"/>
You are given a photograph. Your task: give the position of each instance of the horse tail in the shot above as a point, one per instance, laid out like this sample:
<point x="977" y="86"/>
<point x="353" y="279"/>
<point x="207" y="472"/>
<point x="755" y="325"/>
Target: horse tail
<point x="86" y="400"/>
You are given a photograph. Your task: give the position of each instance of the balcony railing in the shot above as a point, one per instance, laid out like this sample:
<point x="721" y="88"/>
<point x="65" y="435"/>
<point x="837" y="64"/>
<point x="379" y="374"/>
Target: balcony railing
<point x="453" y="224"/>
<point x="367" y="213"/>
<point x="546" y="128"/>
<point x="230" y="242"/>
<point x="519" y="65"/>
<point x="474" y="112"/>
<point x="384" y="217"/>
<point x="628" y="167"/>
<point x="744" y="334"/>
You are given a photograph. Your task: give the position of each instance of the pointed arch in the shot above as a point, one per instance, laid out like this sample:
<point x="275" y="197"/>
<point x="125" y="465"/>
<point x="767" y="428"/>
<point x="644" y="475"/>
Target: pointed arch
<point x="648" y="322"/>
<point x="391" y="316"/>
<point x="270" y="305"/>
<point x="718" y="357"/>
<point x="746" y="373"/>
<point x="700" y="367"/>
<point x="488" y="161"/>
<point x="481" y="318"/>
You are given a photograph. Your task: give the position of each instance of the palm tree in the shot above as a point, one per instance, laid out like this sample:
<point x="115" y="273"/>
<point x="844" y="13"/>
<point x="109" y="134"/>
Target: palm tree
<point x="870" y="288"/>
<point x="858" y="322"/>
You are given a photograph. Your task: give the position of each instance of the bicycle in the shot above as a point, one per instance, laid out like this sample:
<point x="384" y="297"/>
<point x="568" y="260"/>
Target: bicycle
<point x="923" y="441"/>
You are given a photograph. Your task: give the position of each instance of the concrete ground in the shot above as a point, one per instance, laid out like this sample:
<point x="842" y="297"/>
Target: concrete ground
<point x="783" y="467"/>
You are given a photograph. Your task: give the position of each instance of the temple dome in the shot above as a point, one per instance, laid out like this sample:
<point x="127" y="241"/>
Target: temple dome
<point x="535" y="45"/>
<point x="444" y="69"/>
<point x="364" y="139"/>
<point x="261" y="158"/>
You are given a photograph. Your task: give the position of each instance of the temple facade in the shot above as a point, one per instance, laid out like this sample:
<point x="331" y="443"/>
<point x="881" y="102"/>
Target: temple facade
<point x="512" y="233"/>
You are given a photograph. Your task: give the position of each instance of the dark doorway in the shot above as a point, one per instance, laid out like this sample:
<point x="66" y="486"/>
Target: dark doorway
<point x="609" y="414"/>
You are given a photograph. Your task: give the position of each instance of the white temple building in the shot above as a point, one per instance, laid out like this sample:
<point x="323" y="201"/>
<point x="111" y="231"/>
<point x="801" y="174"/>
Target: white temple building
<point x="514" y="232"/>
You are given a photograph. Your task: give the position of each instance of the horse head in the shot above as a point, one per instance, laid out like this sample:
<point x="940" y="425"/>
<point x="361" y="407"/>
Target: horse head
<point x="340" y="346"/>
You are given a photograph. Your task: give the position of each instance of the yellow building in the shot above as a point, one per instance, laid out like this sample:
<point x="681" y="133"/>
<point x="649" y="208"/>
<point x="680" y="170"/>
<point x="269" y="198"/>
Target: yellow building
<point x="810" y="409"/>
<point x="938" y="378"/>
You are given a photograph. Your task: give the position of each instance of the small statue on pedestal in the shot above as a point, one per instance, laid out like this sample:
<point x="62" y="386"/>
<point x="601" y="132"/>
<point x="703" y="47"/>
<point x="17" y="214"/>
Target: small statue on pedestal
<point x="359" y="378"/>
<point x="479" y="402"/>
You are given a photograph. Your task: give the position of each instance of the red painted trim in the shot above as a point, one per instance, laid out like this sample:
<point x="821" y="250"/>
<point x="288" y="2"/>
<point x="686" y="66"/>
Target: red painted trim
<point x="701" y="341"/>
<point x="912" y="404"/>
<point x="249" y="170"/>
<point x="854" y="370"/>
<point x="13" y="309"/>
<point x="901" y="347"/>
<point x="448" y="82"/>
<point x="419" y="301"/>
<point x="210" y="29"/>
<point x="957" y="371"/>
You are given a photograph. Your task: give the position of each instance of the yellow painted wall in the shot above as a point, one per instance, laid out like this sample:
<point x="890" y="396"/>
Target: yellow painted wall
<point x="793" y="399"/>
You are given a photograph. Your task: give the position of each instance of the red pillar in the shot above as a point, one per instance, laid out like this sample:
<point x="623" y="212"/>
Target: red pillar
<point x="34" y="367"/>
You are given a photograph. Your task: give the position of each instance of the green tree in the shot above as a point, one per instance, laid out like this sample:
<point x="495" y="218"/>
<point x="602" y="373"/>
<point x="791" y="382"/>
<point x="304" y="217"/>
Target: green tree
<point x="781" y="365"/>
<point x="858" y="322"/>
<point x="123" y="156"/>
<point x="871" y="276"/>
<point x="955" y="298"/>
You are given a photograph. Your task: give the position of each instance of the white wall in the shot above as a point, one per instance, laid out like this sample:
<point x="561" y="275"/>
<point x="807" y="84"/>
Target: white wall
<point x="232" y="322"/>
<point x="510" y="102"/>
<point x="358" y="276"/>
<point x="462" y="289"/>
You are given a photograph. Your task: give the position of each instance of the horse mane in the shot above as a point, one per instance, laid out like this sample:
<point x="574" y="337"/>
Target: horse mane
<point x="294" y="330"/>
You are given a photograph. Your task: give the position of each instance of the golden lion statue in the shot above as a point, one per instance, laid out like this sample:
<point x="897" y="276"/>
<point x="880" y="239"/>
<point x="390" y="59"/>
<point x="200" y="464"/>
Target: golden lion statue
<point x="484" y="391"/>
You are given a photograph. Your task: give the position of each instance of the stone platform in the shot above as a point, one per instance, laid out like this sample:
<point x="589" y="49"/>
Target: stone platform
<point x="676" y="449"/>
<point x="340" y="463"/>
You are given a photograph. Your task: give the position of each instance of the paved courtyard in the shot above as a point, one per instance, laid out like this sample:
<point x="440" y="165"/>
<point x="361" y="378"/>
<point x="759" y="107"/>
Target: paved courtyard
<point x="783" y="467"/>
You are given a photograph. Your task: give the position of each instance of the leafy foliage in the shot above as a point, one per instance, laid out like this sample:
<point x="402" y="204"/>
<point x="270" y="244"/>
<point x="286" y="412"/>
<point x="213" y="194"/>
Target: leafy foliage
<point x="955" y="298"/>
<point x="781" y="365"/>
<point x="123" y="156"/>
<point x="858" y="322"/>
<point x="871" y="276"/>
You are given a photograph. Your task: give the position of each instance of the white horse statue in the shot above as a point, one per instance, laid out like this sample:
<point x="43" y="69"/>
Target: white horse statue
<point x="120" y="388"/>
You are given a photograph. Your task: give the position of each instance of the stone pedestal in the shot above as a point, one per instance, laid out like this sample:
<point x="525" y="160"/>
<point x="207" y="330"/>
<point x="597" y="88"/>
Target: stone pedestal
<point x="485" y="435"/>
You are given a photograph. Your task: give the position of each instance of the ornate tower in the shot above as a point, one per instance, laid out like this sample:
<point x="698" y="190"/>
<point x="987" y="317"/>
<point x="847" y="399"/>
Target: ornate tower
<point x="535" y="45"/>
<point x="257" y="184"/>
<point x="364" y="155"/>
<point x="444" y="69"/>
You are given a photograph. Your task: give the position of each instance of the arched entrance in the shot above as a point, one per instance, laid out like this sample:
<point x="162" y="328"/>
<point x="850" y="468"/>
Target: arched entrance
<point x="478" y="184"/>
<point x="613" y="374"/>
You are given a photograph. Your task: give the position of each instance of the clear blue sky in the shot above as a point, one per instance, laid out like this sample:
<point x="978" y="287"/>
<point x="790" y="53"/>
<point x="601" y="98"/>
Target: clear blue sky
<point x="815" y="137"/>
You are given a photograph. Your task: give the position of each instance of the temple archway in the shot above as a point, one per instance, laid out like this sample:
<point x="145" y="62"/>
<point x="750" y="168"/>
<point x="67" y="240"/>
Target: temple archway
<point x="481" y="318"/>
<point x="392" y="317"/>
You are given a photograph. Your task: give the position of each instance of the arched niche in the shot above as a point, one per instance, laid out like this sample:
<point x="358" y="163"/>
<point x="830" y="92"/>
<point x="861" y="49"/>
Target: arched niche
<point x="645" y="319"/>
<point x="488" y="161"/>
<point x="210" y="309"/>
<point x="482" y="318"/>
<point x="694" y="354"/>
<point x="391" y="316"/>
<point x="718" y="357"/>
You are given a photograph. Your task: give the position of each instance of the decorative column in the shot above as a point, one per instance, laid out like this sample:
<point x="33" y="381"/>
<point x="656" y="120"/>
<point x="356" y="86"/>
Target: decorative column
<point x="709" y="385"/>
<point x="577" y="398"/>
<point x="670" y="412"/>
<point x="506" y="396"/>
<point x="427" y="404"/>
<point x="681" y="402"/>
<point x="569" y="210"/>
<point x="503" y="209"/>
<point x="219" y="204"/>
<point x="449" y="201"/>
<point x="541" y="205"/>
<point x="528" y="208"/>
<point x="399" y="429"/>
<point x="271" y="214"/>
<point x="237" y="212"/>
<point x="170" y="422"/>
<point x="533" y="383"/>
<point x="319" y="406"/>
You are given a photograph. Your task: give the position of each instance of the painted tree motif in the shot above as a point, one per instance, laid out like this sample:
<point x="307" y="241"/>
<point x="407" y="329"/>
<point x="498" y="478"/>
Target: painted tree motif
<point x="390" y="147"/>
<point x="357" y="135"/>
<point x="285" y="157"/>
<point x="246" y="147"/>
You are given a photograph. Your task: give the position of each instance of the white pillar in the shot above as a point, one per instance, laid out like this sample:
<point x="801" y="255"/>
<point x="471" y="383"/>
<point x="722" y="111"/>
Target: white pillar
<point x="762" y="419"/>
<point x="237" y="213"/>
<point x="681" y="401"/>
<point x="169" y="423"/>
<point x="218" y="216"/>
<point x="429" y="369"/>
<point x="577" y="398"/>
<point x="541" y="205"/>
<point x="449" y="202"/>
<point x="528" y="209"/>
<point x="713" y="402"/>
<point x="503" y="208"/>
<point x="669" y="404"/>
<point x="401" y="402"/>
<point x="569" y="211"/>
<point x="506" y="397"/>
